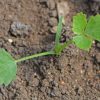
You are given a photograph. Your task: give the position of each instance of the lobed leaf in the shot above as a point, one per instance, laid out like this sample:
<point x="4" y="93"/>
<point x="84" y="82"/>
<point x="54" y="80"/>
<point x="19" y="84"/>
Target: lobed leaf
<point x="79" y="23"/>
<point x="82" y="42"/>
<point x="93" y="27"/>
<point x="8" y="68"/>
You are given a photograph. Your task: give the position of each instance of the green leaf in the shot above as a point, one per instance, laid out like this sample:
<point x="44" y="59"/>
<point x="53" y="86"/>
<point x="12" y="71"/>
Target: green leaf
<point x="93" y="27"/>
<point x="59" y="29"/>
<point x="79" y="23"/>
<point x="58" y="46"/>
<point x="82" y="42"/>
<point x="8" y="68"/>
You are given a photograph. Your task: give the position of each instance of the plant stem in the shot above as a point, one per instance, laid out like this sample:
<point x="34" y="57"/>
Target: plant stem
<point x="35" y="55"/>
<point x="66" y="44"/>
<point x="44" y="53"/>
<point x="69" y="42"/>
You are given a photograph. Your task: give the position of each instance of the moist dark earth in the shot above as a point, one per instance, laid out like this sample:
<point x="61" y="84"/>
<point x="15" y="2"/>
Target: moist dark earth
<point x="28" y="27"/>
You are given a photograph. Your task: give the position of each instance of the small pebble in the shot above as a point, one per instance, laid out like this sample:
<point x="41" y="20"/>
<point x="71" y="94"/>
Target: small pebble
<point x="20" y="29"/>
<point x="53" y="13"/>
<point x="57" y="92"/>
<point x="35" y="82"/>
<point x="51" y="4"/>
<point x="53" y="29"/>
<point x="98" y="45"/>
<point x="45" y="83"/>
<point x="98" y="98"/>
<point x="43" y="1"/>
<point x="10" y="40"/>
<point x="98" y="57"/>
<point x="62" y="82"/>
<point x="63" y="9"/>
<point x="53" y="21"/>
<point x="43" y="89"/>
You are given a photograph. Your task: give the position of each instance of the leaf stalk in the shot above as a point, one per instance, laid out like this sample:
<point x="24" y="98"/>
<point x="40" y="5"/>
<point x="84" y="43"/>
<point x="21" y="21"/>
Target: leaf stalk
<point x="35" y="55"/>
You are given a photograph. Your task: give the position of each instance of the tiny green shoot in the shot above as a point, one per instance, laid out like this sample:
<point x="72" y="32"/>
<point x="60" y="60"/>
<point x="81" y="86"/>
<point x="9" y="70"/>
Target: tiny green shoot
<point x="85" y="32"/>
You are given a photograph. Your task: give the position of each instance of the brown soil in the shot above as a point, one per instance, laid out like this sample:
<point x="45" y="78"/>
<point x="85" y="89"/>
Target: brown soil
<point x="74" y="75"/>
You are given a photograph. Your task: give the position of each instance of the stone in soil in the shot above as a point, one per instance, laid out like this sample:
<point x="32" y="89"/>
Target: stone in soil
<point x="63" y="8"/>
<point x="53" y="29"/>
<point x="98" y="57"/>
<point x="52" y="21"/>
<point x="51" y="4"/>
<point x="53" y="13"/>
<point x="35" y="82"/>
<point x="43" y="1"/>
<point x="20" y="29"/>
<point x="98" y="45"/>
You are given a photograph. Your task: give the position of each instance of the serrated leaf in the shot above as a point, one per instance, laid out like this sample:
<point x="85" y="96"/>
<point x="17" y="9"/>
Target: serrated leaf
<point x="79" y="23"/>
<point x="93" y="27"/>
<point x="8" y="68"/>
<point x="82" y="42"/>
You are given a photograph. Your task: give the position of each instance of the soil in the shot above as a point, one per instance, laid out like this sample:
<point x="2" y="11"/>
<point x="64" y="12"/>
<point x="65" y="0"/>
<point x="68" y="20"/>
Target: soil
<point x="26" y="28"/>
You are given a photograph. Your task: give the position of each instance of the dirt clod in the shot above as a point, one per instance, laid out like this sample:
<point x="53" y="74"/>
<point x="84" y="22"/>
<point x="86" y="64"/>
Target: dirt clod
<point x="51" y="4"/>
<point x="98" y="57"/>
<point x="63" y="8"/>
<point x="53" y="13"/>
<point x="20" y="29"/>
<point x="53" y="21"/>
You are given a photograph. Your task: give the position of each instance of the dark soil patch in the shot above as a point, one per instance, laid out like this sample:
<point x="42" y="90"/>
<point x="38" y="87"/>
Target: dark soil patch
<point x="75" y="75"/>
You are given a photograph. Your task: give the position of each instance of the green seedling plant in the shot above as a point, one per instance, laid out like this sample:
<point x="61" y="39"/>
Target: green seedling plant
<point x="85" y="32"/>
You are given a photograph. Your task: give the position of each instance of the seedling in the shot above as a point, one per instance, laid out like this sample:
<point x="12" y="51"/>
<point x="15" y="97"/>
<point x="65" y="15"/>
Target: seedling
<point x="85" y="32"/>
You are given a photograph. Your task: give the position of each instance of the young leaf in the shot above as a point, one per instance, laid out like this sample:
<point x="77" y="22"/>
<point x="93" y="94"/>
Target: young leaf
<point x="82" y="42"/>
<point x="79" y="23"/>
<point x="93" y="27"/>
<point x="8" y="68"/>
<point x="59" y="29"/>
<point x="58" y="45"/>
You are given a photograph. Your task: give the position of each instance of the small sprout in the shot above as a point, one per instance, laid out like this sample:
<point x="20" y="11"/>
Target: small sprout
<point x="86" y="32"/>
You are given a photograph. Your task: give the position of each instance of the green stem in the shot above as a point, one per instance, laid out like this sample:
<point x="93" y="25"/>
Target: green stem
<point x="35" y="55"/>
<point x="44" y="53"/>
<point x="69" y="42"/>
<point x="66" y="44"/>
